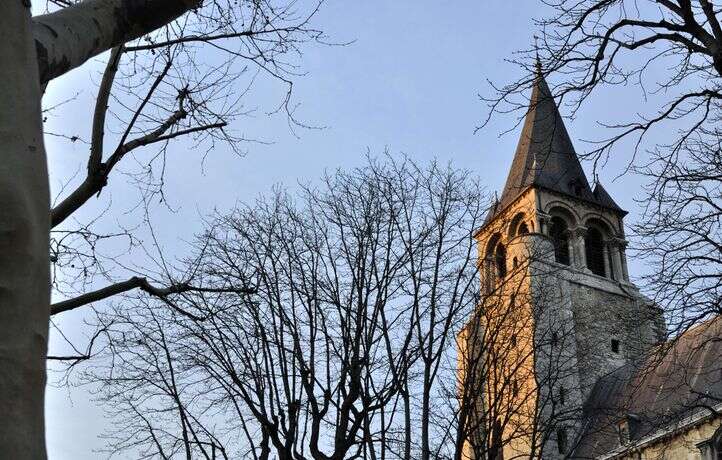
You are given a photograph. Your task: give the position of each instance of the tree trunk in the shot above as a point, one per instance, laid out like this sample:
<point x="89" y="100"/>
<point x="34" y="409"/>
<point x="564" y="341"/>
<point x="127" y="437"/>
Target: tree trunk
<point x="407" y="419"/>
<point x="426" y="411"/>
<point x="24" y="226"/>
<point x="32" y="52"/>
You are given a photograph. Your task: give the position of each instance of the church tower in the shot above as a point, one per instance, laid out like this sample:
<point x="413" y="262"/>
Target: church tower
<point x="558" y="310"/>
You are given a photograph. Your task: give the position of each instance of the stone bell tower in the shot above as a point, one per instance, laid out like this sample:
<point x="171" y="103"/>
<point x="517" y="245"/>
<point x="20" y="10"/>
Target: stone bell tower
<point x="558" y="310"/>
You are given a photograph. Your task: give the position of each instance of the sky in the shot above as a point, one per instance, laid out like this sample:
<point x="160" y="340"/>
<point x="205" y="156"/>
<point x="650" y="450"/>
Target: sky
<point x="408" y="82"/>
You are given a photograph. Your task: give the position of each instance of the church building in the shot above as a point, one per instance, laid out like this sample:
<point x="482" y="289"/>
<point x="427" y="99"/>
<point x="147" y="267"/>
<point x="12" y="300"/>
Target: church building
<point x="565" y="358"/>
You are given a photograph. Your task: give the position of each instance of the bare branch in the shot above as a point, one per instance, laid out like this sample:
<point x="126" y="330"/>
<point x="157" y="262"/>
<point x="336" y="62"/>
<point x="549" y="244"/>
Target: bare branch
<point x="137" y="283"/>
<point x="69" y="37"/>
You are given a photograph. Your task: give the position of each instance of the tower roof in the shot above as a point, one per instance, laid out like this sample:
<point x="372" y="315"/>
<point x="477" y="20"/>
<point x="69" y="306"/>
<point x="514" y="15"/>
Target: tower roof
<point x="545" y="156"/>
<point x="603" y="198"/>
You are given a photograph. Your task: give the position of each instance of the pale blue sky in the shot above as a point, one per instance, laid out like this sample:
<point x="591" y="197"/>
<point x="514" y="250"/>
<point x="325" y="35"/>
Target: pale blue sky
<point x="408" y="83"/>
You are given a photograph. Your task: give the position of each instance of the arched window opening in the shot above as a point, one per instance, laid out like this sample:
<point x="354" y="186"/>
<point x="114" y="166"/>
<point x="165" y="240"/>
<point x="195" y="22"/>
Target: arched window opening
<point x="594" y="246"/>
<point x="559" y="234"/>
<point x="515" y="262"/>
<point x="518" y="226"/>
<point x="500" y="260"/>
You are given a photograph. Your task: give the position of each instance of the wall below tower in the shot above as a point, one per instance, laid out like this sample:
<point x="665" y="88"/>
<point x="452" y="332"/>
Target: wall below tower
<point x="614" y="326"/>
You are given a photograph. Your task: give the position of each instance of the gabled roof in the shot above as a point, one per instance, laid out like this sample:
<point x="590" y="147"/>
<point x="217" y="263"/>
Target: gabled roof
<point x="676" y="380"/>
<point x="545" y="156"/>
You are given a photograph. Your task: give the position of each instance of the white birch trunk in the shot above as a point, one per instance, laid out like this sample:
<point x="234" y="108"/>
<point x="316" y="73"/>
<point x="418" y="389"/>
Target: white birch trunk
<point x="24" y="225"/>
<point x="32" y="52"/>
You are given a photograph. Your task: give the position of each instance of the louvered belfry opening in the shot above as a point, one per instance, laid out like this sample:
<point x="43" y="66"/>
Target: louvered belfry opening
<point x="594" y="246"/>
<point x="500" y="260"/>
<point x="559" y="234"/>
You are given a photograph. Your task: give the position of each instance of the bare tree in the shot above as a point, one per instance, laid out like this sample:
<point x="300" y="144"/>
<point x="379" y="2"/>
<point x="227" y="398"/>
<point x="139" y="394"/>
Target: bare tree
<point x="155" y="90"/>
<point x="359" y="287"/>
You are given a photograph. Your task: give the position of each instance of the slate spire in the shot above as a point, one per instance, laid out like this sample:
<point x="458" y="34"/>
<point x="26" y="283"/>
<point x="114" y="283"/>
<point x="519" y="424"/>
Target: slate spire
<point x="545" y="156"/>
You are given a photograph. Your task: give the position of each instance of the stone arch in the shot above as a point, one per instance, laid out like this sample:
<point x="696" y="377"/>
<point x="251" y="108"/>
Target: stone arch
<point x="491" y="245"/>
<point x="563" y="209"/>
<point x="601" y="224"/>
<point x="604" y="224"/>
<point x="518" y="225"/>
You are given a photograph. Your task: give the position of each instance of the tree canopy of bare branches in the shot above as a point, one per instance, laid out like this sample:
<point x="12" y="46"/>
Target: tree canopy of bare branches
<point x="345" y="348"/>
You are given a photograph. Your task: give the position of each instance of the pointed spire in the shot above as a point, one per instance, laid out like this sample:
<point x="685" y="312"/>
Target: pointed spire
<point x="545" y="156"/>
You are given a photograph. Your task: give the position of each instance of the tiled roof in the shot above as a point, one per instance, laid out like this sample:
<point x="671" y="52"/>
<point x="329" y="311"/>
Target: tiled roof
<point x="678" y="379"/>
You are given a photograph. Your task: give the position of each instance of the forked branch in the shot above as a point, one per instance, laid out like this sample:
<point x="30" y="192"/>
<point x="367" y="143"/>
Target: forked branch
<point x="136" y="282"/>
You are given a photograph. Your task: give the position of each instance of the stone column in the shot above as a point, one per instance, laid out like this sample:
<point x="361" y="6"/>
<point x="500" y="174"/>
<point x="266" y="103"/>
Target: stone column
<point x="608" y="268"/>
<point x="616" y="248"/>
<point x="580" y="251"/>
<point x="616" y="261"/>
<point x="622" y="245"/>
<point x="543" y="222"/>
